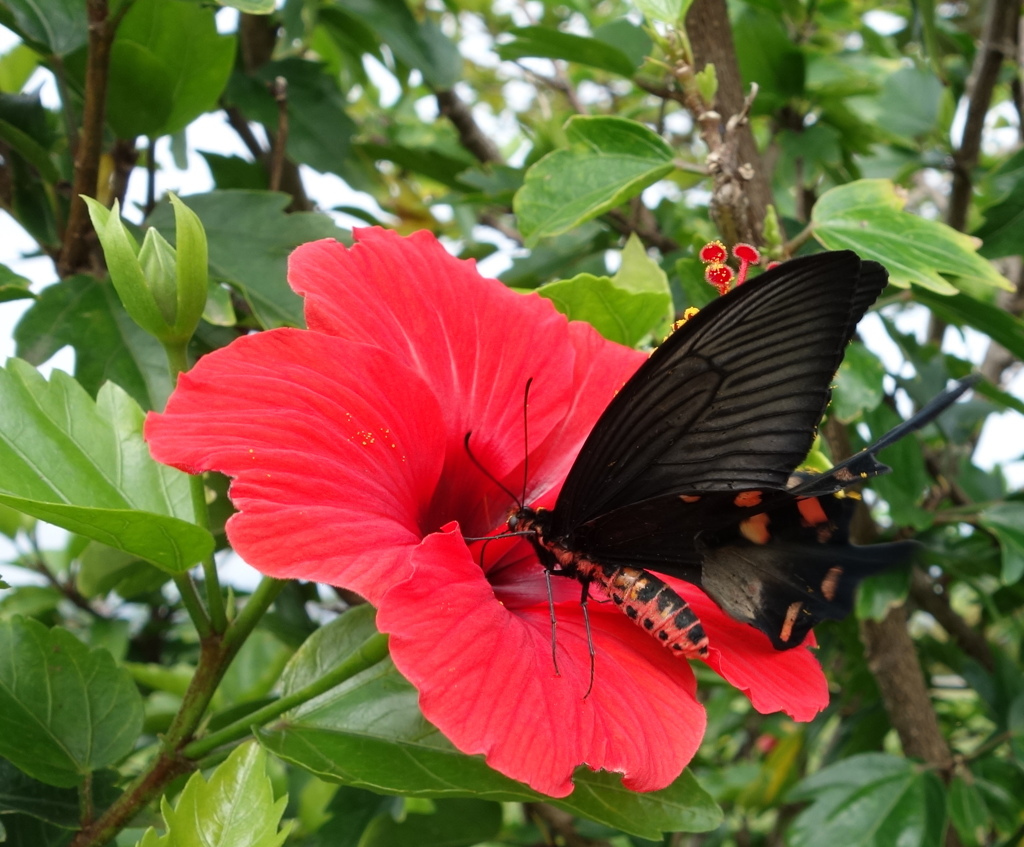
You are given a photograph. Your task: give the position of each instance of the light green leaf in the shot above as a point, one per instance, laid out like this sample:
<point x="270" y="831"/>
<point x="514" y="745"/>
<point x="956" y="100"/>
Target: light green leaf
<point x="235" y="807"/>
<point x="967" y="812"/>
<point x="65" y="710"/>
<point x="619" y="315"/>
<point x="84" y="466"/>
<point x="867" y="216"/>
<point x="609" y="160"/>
<point x="909" y="102"/>
<point x="13" y="286"/>
<point x="549" y="43"/>
<point x="251" y="7"/>
<point x="249" y="237"/>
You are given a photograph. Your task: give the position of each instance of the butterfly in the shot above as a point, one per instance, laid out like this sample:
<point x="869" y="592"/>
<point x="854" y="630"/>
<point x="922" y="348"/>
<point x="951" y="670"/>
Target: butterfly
<point x="691" y="469"/>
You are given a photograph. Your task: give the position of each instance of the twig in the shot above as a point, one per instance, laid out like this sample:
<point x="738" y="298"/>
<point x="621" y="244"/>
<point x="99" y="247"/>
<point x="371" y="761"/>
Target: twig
<point x="75" y="253"/>
<point x="474" y="139"/>
<point x="922" y="589"/>
<point x="279" y="89"/>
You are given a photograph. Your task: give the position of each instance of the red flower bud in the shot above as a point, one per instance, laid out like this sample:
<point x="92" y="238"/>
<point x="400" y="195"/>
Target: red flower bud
<point x="713" y="252"/>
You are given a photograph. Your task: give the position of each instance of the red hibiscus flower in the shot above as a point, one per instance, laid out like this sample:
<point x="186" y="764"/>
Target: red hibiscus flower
<point x="346" y="445"/>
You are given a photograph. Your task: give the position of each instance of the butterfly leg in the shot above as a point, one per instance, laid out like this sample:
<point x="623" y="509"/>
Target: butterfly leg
<point x="590" y="636"/>
<point x="554" y="621"/>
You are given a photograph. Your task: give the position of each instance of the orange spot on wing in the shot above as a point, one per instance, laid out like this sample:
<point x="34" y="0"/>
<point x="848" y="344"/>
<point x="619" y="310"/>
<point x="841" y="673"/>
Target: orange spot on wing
<point x="755" y="528"/>
<point x="787" y="624"/>
<point x="689" y="498"/>
<point x="811" y="511"/>
<point x="748" y="498"/>
<point x="831" y="582"/>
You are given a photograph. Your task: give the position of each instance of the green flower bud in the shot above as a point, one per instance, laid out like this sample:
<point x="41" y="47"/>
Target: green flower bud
<point x="163" y="289"/>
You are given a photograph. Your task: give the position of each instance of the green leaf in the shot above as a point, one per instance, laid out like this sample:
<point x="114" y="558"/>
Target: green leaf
<point x="1006" y="522"/>
<point x="319" y="129"/>
<point x="16" y="67"/>
<point x="858" y="384"/>
<point x="1000" y="233"/>
<point x="878" y="594"/>
<point x="619" y="315"/>
<point x="420" y="46"/>
<point x="609" y="161"/>
<point x="102" y="569"/>
<point x="65" y="710"/>
<point x="768" y="57"/>
<point x="60" y="25"/>
<point x="236" y="806"/>
<point x="452" y="823"/>
<point x="168" y="65"/>
<point x="84" y="466"/>
<point x="965" y="310"/>
<point x="249" y="237"/>
<point x="86" y="313"/>
<point x="909" y="102"/>
<point x="13" y="286"/>
<point x="867" y="216"/>
<point x="20" y="794"/>
<point x="967" y="812"/>
<point x="251" y="7"/>
<point x="870" y="800"/>
<point x="31" y="150"/>
<point x="904" y="488"/>
<point x="549" y="43"/>
<point x="368" y="732"/>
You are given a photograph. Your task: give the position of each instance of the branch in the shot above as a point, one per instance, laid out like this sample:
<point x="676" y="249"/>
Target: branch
<point x="77" y="242"/>
<point x="474" y="139"/>
<point x="922" y="589"/>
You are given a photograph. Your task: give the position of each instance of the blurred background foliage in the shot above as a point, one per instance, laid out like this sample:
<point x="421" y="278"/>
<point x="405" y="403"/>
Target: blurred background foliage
<point x="583" y="149"/>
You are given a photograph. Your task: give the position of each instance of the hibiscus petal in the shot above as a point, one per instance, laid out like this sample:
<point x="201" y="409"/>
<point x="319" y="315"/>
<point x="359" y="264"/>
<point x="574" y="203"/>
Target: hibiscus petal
<point x="487" y="681"/>
<point x="473" y="340"/>
<point x="789" y="681"/>
<point x="335" y="448"/>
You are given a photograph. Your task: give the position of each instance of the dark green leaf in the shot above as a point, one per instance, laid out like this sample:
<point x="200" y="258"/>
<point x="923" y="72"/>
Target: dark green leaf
<point x="66" y="710"/>
<point x="871" y="800"/>
<point x="967" y="812"/>
<point x="768" y="57"/>
<point x="235" y="172"/>
<point x="452" y="823"/>
<point x="858" y="384"/>
<point x="250" y="237"/>
<point x="21" y="794"/>
<point x="964" y="310"/>
<point x="168" y="65"/>
<point x="420" y="46"/>
<point x="609" y="161"/>
<point x="85" y="313"/>
<point x="1006" y="522"/>
<point x="903" y="488"/>
<point x="60" y="25"/>
<point x="84" y="466"/>
<point x="550" y="43"/>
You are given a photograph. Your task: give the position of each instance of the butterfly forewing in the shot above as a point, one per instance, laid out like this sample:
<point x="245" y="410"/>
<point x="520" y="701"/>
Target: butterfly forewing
<point x="731" y="400"/>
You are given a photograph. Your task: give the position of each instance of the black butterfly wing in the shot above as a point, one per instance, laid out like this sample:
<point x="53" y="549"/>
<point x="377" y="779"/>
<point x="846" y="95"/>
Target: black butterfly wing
<point x="731" y="400"/>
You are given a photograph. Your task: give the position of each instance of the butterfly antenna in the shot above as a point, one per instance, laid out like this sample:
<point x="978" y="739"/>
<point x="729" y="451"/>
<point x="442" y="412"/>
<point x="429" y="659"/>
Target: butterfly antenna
<point x="487" y="473"/>
<point x="526" y="438"/>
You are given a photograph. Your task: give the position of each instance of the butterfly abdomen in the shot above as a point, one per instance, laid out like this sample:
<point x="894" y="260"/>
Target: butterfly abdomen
<point x="651" y="604"/>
